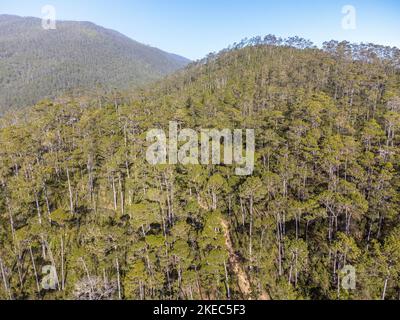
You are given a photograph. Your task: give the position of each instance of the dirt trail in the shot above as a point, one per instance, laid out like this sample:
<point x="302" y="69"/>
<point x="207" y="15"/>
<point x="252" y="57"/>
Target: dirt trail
<point x="243" y="279"/>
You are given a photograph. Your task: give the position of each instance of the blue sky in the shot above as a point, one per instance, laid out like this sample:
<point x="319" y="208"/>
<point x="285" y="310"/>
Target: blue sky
<point x="193" y="28"/>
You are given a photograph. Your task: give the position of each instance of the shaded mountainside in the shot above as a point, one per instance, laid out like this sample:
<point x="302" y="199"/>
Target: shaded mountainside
<point x="37" y="63"/>
<point x="77" y="193"/>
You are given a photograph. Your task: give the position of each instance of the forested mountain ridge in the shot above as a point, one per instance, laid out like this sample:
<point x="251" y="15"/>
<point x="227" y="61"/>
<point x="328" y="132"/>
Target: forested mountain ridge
<point x="77" y="193"/>
<point x="36" y="63"/>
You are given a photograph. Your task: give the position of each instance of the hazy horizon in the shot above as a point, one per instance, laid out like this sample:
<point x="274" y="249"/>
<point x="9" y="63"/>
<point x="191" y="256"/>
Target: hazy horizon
<point x="195" y="29"/>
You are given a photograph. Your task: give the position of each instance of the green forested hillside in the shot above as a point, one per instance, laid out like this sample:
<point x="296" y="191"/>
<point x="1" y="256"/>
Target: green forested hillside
<point x="36" y="63"/>
<point x="77" y="193"/>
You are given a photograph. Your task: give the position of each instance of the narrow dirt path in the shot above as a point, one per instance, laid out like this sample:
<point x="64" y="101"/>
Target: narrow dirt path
<point x="243" y="279"/>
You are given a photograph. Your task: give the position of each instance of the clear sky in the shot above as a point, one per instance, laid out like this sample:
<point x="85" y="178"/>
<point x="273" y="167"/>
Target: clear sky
<point x="193" y="28"/>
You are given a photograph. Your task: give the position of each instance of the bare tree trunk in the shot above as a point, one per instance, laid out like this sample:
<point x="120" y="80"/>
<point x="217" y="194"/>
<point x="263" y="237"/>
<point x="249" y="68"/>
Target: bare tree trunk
<point x="114" y="193"/>
<point x="384" y="289"/>
<point x="227" y="281"/>
<point x="34" y="270"/>
<point x="141" y="291"/>
<point x="9" y="214"/>
<point x="71" y="199"/>
<point x="278" y="237"/>
<point x="89" y="279"/>
<point x="243" y="212"/>
<point x="38" y="208"/>
<point x="198" y="285"/>
<point x="118" y="280"/>
<point x="3" y="274"/>
<point x="18" y="256"/>
<point x="296" y="270"/>
<point x="53" y="264"/>
<point x="12" y="225"/>
<point x="251" y="231"/>
<point x="121" y="194"/>
<point x="46" y="197"/>
<point x="62" y="264"/>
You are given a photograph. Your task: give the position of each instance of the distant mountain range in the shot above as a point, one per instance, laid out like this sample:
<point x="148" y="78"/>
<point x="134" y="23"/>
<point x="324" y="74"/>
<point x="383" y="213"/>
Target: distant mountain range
<point x="36" y="63"/>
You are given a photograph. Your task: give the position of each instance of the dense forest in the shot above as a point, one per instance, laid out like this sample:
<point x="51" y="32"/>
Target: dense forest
<point x="77" y="194"/>
<point x="75" y="57"/>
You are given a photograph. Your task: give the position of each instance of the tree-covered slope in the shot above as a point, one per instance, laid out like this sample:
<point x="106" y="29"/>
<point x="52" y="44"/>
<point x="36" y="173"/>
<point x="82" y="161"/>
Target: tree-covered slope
<point x="36" y="63"/>
<point x="77" y="193"/>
